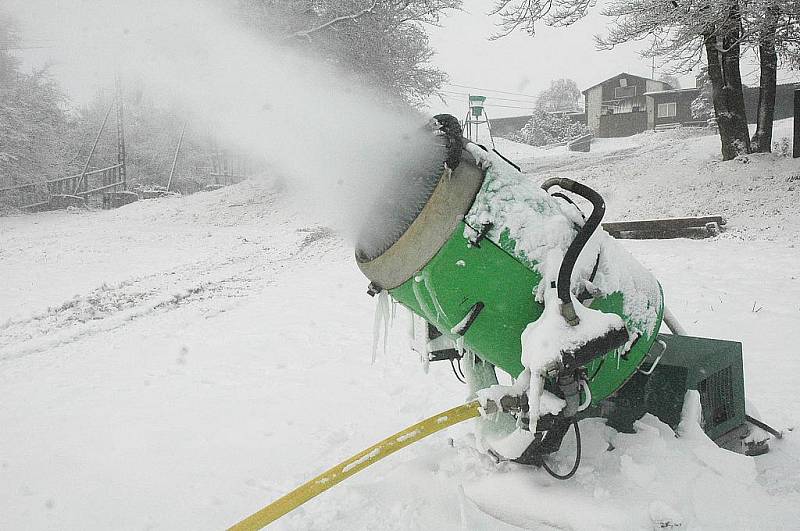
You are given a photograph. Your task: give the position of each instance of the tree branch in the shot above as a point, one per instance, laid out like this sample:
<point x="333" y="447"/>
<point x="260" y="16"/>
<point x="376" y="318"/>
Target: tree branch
<point x="306" y="34"/>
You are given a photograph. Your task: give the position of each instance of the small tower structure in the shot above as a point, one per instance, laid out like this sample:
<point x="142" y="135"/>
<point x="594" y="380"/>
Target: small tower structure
<point x="477" y="117"/>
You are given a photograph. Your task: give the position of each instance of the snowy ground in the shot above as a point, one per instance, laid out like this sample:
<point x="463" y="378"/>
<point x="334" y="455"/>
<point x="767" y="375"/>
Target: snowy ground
<point x="179" y="363"/>
<point x="678" y="173"/>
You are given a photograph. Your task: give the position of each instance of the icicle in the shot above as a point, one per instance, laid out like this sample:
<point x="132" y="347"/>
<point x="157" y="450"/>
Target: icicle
<point x="422" y="304"/>
<point x="411" y="331"/>
<point x="460" y="346"/>
<point x="382" y="317"/>
<point x="439" y="310"/>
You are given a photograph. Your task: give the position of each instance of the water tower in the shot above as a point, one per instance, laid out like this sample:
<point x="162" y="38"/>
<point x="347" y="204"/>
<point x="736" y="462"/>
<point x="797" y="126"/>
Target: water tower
<point x="476" y="116"/>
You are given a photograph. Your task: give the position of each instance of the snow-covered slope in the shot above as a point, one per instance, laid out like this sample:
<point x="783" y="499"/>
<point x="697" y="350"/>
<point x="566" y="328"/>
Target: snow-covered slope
<point x="679" y="173"/>
<point x="179" y="363"/>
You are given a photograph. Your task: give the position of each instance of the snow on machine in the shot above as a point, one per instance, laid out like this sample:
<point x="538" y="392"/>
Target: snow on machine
<point x="506" y="274"/>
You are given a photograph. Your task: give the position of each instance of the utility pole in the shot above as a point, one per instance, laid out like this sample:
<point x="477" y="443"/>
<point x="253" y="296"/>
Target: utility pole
<point x="91" y="152"/>
<point x="120" y="132"/>
<point x="175" y="158"/>
<point x="796" y="139"/>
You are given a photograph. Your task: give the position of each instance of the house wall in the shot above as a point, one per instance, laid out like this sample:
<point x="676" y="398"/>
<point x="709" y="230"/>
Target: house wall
<point x="623" y="124"/>
<point x="610" y="85"/>
<point x="683" y="101"/>
<point x="784" y="102"/>
<point x="653" y="85"/>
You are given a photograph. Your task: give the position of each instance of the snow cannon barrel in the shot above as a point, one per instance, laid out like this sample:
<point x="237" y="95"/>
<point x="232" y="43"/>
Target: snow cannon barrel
<point x="467" y="245"/>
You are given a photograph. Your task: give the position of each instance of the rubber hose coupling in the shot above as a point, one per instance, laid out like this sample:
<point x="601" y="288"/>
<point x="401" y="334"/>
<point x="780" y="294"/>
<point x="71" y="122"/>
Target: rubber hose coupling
<point x="568" y="313"/>
<point x="570" y="387"/>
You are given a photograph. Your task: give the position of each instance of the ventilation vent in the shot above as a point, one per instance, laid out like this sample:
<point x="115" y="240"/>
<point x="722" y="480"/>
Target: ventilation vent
<point x="717" y="398"/>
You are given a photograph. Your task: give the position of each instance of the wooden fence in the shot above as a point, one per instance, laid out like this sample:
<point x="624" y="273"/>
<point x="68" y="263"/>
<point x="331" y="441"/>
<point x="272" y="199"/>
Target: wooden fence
<point x="89" y="186"/>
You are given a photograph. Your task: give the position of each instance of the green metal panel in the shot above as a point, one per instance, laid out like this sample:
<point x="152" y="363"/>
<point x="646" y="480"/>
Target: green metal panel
<point x="460" y="275"/>
<point x="711" y="366"/>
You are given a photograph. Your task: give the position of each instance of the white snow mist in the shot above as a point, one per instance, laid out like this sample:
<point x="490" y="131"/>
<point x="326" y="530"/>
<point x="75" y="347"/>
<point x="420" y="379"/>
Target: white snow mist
<point x="322" y="131"/>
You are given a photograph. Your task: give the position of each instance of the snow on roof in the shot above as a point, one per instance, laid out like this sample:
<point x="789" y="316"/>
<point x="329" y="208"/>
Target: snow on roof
<point x="672" y="91"/>
<point x="618" y="75"/>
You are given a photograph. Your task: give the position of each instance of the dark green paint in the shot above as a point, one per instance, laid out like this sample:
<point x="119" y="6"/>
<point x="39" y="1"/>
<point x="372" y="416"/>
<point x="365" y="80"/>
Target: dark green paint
<point x="490" y="274"/>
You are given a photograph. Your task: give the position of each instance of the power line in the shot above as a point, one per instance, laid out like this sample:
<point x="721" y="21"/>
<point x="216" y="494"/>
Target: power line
<point x="25" y="47"/>
<point x="451" y="92"/>
<point x="492" y="90"/>
<point x="511" y="107"/>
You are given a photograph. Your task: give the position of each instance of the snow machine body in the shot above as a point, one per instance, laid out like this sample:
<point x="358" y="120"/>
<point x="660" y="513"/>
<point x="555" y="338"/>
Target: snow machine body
<point x="460" y="268"/>
<point x="474" y="252"/>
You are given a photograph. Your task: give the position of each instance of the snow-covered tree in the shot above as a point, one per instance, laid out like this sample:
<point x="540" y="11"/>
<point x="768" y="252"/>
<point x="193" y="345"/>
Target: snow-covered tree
<point x="670" y="80"/>
<point x="563" y="95"/>
<point x="678" y="29"/>
<point x="772" y="28"/>
<point x="548" y="128"/>
<point x="35" y="129"/>
<point x="702" y="107"/>
<point x="382" y="43"/>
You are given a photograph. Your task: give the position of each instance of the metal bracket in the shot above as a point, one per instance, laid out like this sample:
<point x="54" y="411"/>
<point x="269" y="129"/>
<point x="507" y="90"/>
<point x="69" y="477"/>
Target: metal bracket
<point x="655" y="363"/>
<point x="373" y="289"/>
<point x="469" y="319"/>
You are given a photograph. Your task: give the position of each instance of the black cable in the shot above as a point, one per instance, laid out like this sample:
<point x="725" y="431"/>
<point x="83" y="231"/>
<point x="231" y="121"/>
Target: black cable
<point x="460" y="370"/>
<point x="577" y="457"/>
<point x="764" y="426"/>
<point x="453" y="365"/>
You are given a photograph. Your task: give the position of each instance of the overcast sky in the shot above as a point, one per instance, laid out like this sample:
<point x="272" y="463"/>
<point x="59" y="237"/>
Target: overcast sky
<point x="523" y="64"/>
<point x="517" y="63"/>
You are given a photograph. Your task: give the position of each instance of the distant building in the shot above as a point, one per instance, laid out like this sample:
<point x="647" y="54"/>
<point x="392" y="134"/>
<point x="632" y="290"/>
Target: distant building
<point x="625" y="105"/>
<point x="618" y="106"/>
<point x="674" y="107"/>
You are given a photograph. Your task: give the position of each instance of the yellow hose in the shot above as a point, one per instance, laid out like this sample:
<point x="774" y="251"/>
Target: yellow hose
<point x="358" y="462"/>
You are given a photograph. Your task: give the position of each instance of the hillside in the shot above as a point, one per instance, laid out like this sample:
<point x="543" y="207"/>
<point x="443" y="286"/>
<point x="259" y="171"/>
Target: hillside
<point x="679" y="173"/>
<point x="179" y="363"/>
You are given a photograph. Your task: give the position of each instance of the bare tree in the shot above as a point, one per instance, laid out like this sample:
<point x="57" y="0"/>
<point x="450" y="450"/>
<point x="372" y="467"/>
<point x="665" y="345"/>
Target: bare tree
<point x="525" y="14"/>
<point x="773" y="31"/>
<point x="382" y="42"/>
<point x="678" y="31"/>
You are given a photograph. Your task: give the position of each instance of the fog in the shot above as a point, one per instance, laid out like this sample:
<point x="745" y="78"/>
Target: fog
<point x="328" y="138"/>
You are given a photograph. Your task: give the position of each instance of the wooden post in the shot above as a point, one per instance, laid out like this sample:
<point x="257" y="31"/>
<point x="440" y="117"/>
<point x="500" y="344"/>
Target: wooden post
<point x="175" y="158"/>
<point x="796" y="139"/>
<point x="94" y="146"/>
<point x="120" y="132"/>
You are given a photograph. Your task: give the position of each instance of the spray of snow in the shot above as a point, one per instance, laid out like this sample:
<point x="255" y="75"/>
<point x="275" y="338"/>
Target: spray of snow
<point x="331" y="137"/>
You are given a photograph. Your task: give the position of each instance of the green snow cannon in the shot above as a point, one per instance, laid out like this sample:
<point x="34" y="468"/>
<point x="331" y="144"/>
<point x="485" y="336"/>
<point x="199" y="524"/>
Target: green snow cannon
<point x="467" y="250"/>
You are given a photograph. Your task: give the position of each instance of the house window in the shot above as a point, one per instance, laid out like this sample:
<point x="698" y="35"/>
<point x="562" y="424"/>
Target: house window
<point x="623" y="82"/>
<point x="624" y="92"/>
<point x="667" y="110"/>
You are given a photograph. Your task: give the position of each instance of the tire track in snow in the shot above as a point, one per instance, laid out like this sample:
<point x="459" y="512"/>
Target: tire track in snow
<point x="109" y="307"/>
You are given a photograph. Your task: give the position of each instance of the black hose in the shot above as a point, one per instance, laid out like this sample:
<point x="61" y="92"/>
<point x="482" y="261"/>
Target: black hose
<point x="577" y="457"/>
<point x="577" y="245"/>
<point x="453" y="365"/>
